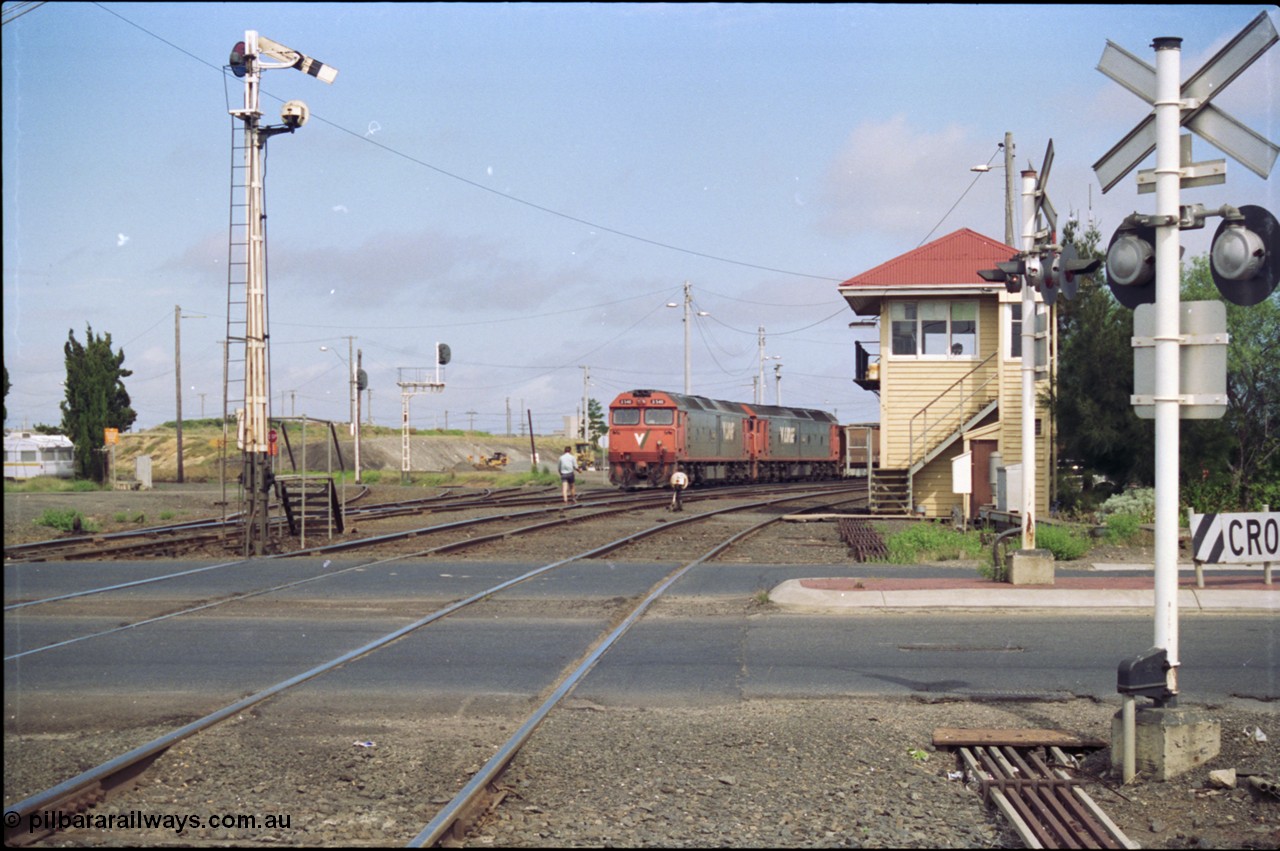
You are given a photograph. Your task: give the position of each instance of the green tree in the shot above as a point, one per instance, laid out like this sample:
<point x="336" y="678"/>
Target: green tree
<point x="1237" y="458"/>
<point x="596" y="425"/>
<point x="1096" y="424"/>
<point x="95" y="398"/>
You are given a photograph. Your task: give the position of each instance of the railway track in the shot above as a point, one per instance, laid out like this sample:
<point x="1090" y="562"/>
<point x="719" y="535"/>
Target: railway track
<point x="91" y="787"/>
<point x="224" y="535"/>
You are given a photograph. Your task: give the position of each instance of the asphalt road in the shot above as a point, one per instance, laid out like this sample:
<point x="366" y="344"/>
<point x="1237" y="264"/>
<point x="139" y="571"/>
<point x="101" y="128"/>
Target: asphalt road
<point x="680" y="652"/>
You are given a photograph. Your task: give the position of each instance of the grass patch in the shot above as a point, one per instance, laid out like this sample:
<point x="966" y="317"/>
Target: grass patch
<point x="66" y="520"/>
<point x="52" y="484"/>
<point x="931" y="542"/>
<point x="485" y="479"/>
<point x="1065" y="544"/>
<point x="1123" y="529"/>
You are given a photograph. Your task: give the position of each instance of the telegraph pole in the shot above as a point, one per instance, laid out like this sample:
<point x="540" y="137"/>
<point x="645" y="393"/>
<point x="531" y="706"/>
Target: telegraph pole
<point x="355" y="410"/>
<point x="586" y="378"/>
<point x="177" y="372"/>
<point x="178" y="316"/>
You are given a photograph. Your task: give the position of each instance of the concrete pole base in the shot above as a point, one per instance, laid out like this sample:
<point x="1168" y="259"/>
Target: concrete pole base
<point x="1168" y="741"/>
<point x="1030" y="567"/>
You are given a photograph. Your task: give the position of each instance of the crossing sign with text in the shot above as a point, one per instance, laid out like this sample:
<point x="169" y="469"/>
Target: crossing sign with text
<point x="1246" y="538"/>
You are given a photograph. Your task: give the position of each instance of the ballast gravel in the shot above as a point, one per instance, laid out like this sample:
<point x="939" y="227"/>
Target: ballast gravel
<point x="790" y="773"/>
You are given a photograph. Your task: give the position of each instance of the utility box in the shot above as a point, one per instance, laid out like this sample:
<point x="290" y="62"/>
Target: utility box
<point x="1009" y="488"/>
<point x="142" y="471"/>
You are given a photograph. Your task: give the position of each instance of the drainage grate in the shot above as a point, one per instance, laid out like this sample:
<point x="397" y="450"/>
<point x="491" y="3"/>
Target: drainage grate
<point x="864" y="542"/>
<point x="1043" y="803"/>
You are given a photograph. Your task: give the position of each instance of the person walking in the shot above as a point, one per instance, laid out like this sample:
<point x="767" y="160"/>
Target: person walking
<point x="568" y="465"/>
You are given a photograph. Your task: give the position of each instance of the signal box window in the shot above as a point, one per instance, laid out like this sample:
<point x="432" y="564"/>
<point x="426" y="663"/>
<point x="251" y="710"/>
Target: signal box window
<point x="626" y="416"/>
<point x="1015" y="329"/>
<point x="902" y="327"/>
<point x="947" y="329"/>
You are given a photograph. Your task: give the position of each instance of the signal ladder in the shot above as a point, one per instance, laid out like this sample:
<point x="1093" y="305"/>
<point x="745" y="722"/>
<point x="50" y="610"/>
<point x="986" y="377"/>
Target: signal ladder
<point x="238" y="250"/>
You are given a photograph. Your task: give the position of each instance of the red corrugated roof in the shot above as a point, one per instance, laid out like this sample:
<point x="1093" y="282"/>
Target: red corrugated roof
<point x="948" y="261"/>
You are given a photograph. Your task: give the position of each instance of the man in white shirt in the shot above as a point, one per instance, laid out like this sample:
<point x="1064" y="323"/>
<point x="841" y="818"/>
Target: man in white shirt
<point x="568" y="466"/>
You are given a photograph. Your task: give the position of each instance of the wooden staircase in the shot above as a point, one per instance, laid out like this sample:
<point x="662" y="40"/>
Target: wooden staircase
<point x="966" y="404"/>
<point x="890" y="492"/>
<point x="310" y="504"/>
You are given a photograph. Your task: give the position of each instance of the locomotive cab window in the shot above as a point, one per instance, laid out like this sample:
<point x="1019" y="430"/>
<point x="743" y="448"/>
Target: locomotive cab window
<point x="628" y="416"/>
<point x="659" y="416"/>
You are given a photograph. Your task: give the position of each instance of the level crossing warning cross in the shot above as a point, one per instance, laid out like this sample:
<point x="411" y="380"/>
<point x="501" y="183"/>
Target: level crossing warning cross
<point x="1201" y="117"/>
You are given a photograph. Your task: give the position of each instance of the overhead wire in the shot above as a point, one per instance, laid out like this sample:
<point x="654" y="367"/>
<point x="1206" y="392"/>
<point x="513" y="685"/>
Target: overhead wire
<point x="976" y="178"/>
<point x="364" y="137"/>
<point x="703" y="331"/>
<point x="8" y="16"/>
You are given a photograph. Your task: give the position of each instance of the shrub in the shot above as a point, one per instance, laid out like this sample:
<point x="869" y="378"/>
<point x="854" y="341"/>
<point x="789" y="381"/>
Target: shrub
<point x="1065" y="544"/>
<point x="1123" y="528"/>
<point x="931" y="542"/>
<point x="65" y="520"/>
<point x="1137" y="501"/>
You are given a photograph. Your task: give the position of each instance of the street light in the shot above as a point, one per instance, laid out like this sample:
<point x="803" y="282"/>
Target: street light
<point x="688" y="302"/>
<point x="178" y="316"/>
<point x="1007" y="145"/>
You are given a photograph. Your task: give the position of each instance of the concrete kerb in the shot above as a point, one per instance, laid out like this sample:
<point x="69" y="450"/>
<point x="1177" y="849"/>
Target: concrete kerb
<point x="793" y="593"/>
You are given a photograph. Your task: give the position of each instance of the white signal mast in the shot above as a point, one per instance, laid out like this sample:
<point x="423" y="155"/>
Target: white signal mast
<point x="248" y="60"/>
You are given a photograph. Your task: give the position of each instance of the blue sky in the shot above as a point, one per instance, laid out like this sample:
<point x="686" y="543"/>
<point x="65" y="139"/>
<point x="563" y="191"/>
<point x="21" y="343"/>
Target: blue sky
<point x="533" y="183"/>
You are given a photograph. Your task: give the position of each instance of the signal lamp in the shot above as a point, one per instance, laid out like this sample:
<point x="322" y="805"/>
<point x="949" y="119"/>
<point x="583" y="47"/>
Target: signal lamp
<point x="1245" y="257"/>
<point x="1131" y="265"/>
<point x="237" y="61"/>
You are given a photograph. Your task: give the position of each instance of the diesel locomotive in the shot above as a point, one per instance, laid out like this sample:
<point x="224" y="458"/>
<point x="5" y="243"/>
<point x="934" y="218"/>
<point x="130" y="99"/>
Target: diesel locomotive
<point x="652" y="433"/>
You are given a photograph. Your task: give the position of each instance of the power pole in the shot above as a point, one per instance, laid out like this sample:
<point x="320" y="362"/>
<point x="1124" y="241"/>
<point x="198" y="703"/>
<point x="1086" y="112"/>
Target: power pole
<point x="759" y="397"/>
<point x="177" y="372"/>
<point x="178" y="316"/>
<point x="355" y="410"/>
<point x="1009" y="232"/>
<point x="586" y="376"/>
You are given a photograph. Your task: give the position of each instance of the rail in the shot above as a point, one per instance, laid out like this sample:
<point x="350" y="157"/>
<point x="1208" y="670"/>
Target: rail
<point x="91" y="786"/>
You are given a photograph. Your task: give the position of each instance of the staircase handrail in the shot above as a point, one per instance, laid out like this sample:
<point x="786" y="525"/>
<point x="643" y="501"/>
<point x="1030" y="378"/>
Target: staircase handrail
<point x="963" y="406"/>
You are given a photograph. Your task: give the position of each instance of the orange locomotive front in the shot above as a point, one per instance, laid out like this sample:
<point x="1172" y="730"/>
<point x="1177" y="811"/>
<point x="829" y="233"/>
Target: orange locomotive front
<point x="646" y="439"/>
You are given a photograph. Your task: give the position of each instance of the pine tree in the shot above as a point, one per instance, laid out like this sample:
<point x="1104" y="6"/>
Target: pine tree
<point x="96" y="398"/>
<point x="1096" y="423"/>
